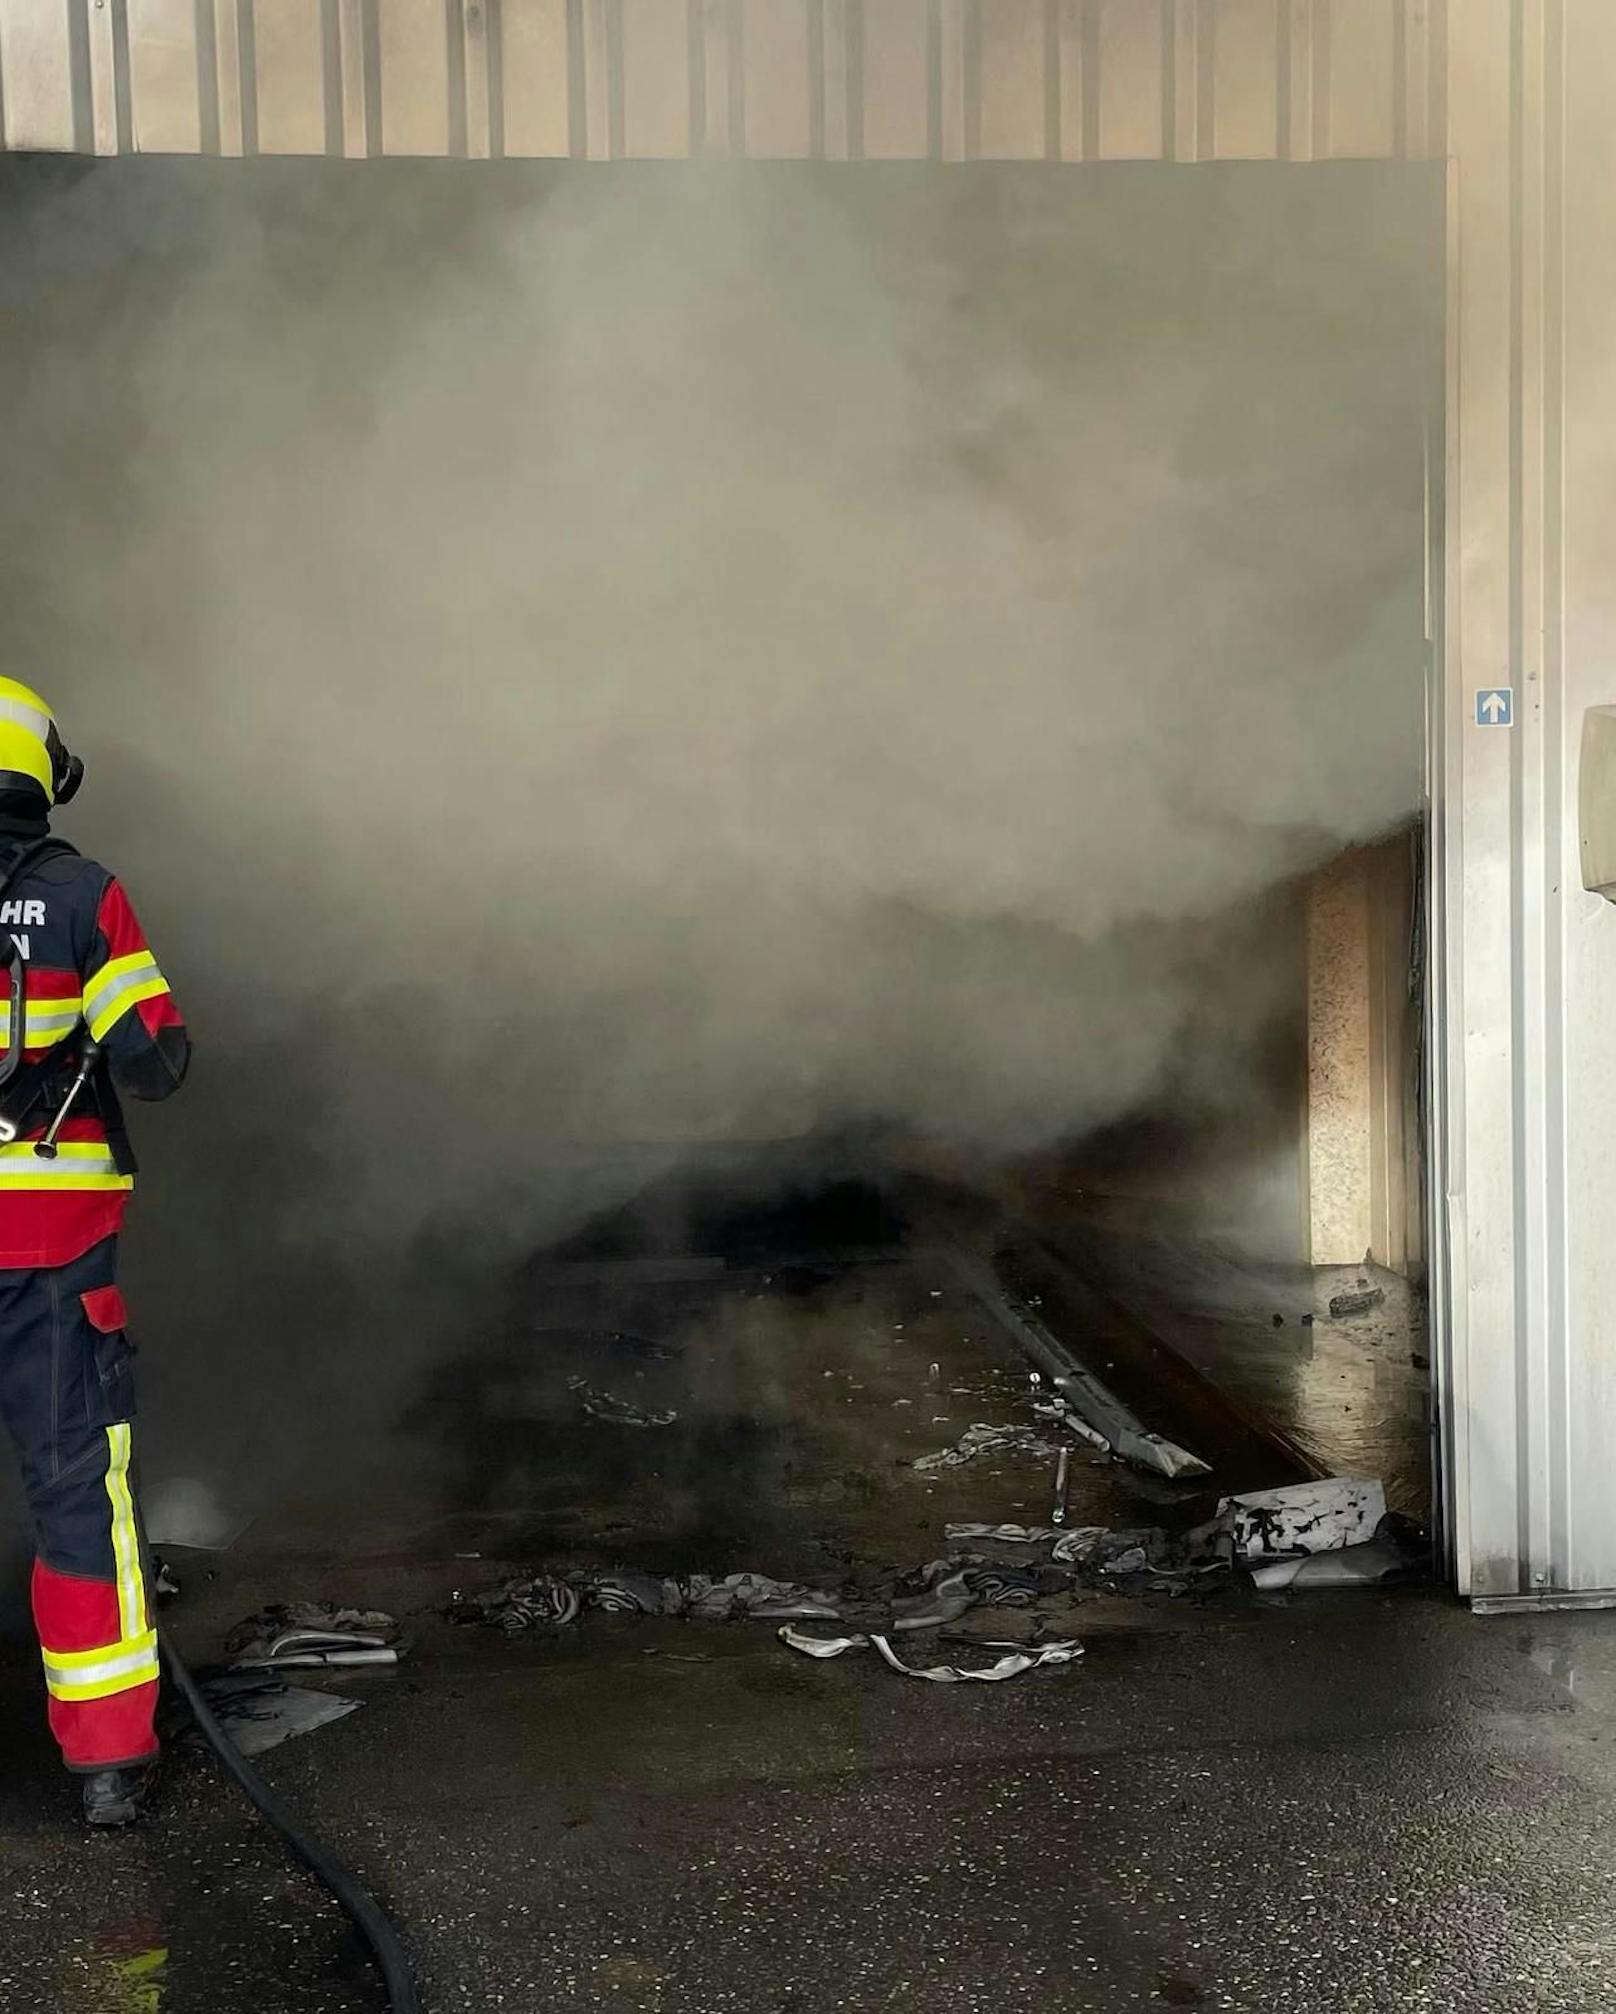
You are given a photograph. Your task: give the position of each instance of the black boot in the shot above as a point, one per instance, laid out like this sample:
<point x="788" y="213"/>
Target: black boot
<point x="116" y="1796"/>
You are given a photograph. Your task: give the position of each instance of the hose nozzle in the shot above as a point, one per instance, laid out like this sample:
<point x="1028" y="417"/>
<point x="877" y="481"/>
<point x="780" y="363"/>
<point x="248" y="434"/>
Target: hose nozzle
<point x="46" y="1148"/>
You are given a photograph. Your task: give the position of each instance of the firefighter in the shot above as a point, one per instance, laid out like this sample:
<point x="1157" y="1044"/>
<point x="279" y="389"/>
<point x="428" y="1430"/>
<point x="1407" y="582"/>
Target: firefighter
<point x="93" y="992"/>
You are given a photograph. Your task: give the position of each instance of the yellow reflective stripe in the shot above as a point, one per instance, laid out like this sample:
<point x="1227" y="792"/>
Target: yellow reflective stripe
<point x="133" y="965"/>
<point x="115" y="969"/>
<point x="76" y="1663"/>
<point x="132" y="1617"/>
<point x="113" y="1675"/>
<point x="44" y="1023"/>
<point x="79" y="1164"/>
<point x="110" y="1015"/>
<point x="121" y="983"/>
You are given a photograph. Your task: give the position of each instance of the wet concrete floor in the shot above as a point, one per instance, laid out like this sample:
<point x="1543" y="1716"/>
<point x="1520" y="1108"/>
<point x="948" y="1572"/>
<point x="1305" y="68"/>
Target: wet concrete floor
<point x="1347" y="1803"/>
<point x="1350" y="1392"/>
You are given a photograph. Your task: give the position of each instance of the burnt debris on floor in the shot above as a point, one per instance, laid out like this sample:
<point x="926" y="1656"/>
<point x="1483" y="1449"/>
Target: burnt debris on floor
<point x="806" y="1385"/>
<point x="258" y="1712"/>
<point x="1330" y="1365"/>
<point x="1047" y="1575"/>
<point x="307" y="1635"/>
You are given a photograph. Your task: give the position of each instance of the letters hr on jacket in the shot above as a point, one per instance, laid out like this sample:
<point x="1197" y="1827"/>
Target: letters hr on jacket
<point x="31" y="915"/>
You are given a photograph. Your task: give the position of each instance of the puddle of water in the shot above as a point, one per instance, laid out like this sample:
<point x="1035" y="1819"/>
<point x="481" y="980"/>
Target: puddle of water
<point x="1579" y="1656"/>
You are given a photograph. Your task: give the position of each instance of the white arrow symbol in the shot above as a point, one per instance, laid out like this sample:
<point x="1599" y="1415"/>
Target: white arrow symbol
<point x="1494" y="706"/>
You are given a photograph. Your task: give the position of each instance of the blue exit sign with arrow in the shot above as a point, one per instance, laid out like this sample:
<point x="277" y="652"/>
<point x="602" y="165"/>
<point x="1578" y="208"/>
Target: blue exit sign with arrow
<point x="1495" y="706"/>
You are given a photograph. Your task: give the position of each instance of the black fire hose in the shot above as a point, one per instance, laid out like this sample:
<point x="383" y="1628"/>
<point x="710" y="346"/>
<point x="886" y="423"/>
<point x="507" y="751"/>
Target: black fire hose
<point x="363" y="1911"/>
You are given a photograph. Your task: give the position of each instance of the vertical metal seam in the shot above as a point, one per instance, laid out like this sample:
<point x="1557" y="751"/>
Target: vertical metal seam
<point x="1448" y="1087"/>
<point x="735" y="35"/>
<point x="1553" y="560"/>
<point x="1437" y="79"/>
<point x="1323" y="23"/>
<point x="1520" y="1119"/>
<point x="370" y="38"/>
<point x="616" y="93"/>
<point x="331" y="76"/>
<point x="1091" y="80"/>
<point x="208" y="119"/>
<point x="78" y="72"/>
<point x="1167" y="30"/>
<point x="3" y="143"/>
<point x="456" y="79"/>
<point x="816" y="79"/>
<point x="1401" y="50"/>
<point x="123" y="110"/>
<point x="696" y="57"/>
<point x="1052" y="81"/>
<point x="494" y="46"/>
<point x="1283" y="57"/>
<point x="971" y="82"/>
<point x="577" y="107"/>
<point x="247" y="71"/>
<point x="934" y="80"/>
<point x="837" y="90"/>
<point x="855" y="80"/>
<point x="1206" y="80"/>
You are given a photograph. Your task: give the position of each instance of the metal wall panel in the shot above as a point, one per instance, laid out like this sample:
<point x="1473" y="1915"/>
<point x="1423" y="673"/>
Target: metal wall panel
<point x="1573" y="625"/>
<point x="1244" y="60"/>
<point x="1132" y="52"/>
<point x="287" y="66"/>
<point x="1012" y="114"/>
<point x="770" y="79"/>
<point x="535" y="92"/>
<point x="899" y="96"/>
<point x="648" y="56"/>
<point x="1524" y="1198"/>
<point x="418" y="111"/>
<point x="165" y="75"/>
<point x="782" y="82"/>
<point x="1361" y="89"/>
<point x="44" y="77"/>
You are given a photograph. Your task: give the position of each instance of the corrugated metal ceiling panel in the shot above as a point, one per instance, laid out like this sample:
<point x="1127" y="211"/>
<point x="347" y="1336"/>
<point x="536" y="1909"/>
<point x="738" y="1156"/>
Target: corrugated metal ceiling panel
<point x="1060" y="80"/>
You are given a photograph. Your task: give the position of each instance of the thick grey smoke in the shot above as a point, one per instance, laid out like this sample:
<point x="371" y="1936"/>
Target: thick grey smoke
<point x="678" y="655"/>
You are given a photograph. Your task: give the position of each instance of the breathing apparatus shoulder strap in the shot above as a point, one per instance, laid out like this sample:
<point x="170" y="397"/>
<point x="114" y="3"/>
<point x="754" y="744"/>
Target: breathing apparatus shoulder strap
<point x="24" y="1085"/>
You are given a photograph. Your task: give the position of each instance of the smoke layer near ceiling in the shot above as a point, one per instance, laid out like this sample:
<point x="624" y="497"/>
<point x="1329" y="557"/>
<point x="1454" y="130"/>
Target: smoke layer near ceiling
<point x="593" y="656"/>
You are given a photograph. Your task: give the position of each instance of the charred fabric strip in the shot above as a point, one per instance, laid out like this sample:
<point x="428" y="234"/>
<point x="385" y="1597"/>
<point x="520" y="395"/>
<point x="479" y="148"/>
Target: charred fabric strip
<point x="983" y="1439"/>
<point x="919" y="1598"/>
<point x="1010" y="1665"/>
<point x="362" y="1909"/>
<point x="555" y="1601"/>
<point x="617" y="1412"/>
<point x="1128" y="1438"/>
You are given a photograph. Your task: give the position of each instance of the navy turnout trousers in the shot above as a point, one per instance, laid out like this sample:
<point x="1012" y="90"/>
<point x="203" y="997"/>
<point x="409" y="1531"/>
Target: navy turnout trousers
<point x="67" y="1398"/>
